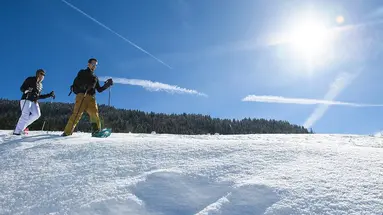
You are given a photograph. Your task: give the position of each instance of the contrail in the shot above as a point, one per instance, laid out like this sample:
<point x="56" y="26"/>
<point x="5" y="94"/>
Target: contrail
<point x="303" y="101"/>
<point x="119" y="35"/>
<point x="154" y="86"/>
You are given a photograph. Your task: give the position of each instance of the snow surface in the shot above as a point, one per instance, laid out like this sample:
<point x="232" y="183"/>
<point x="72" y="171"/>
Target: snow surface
<point x="154" y="174"/>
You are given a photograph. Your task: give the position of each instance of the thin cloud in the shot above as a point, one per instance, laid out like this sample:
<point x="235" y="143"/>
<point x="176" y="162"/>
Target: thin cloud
<point x="155" y="86"/>
<point x="114" y="32"/>
<point x="267" y="40"/>
<point x="376" y="13"/>
<point x="374" y="18"/>
<point x="302" y="101"/>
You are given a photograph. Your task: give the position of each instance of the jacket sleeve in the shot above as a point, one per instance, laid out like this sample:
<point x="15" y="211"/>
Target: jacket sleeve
<point x="98" y="87"/>
<point x="44" y="96"/>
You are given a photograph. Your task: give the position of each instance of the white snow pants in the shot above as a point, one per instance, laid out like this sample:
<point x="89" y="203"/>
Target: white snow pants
<point x="30" y="113"/>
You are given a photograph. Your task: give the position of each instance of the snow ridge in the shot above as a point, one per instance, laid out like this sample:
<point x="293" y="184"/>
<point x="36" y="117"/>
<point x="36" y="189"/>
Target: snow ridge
<point x="146" y="174"/>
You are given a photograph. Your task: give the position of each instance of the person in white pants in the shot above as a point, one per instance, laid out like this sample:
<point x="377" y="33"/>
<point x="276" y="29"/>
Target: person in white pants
<point x="30" y="109"/>
<point x="30" y="113"/>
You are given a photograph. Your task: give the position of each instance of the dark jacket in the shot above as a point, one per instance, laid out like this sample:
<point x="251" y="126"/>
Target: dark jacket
<point x="31" y="82"/>
<point x="87" y="79"/>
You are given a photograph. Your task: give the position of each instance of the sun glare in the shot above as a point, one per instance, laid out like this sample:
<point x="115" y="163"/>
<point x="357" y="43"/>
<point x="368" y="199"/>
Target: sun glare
<point x="340" y="19"/>
<point x="309" y="38"/>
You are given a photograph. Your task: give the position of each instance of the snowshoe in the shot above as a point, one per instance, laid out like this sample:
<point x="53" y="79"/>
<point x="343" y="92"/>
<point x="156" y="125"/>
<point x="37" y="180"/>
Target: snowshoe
<point x="106" y="132"/>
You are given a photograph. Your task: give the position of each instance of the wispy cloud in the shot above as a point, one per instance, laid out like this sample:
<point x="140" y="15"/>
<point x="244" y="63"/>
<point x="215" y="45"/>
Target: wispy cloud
<point x="181" y="8"/>
<point x="272" y="39"/>
<point x="209" y="52"/>
<point x="154" y="86"/>
<point x="303" y="101"/>
<point x="117" y="34"/>
<point x="374" y="18"/>
<point x="377" y="13"/>
<point x="340" y="83"/>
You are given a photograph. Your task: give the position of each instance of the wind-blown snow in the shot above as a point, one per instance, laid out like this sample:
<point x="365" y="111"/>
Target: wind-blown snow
<point x="44" y="173"/>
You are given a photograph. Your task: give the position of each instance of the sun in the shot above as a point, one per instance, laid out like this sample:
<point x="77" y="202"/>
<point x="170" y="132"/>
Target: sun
<point x="309" y="38"/>
<point x="340" y="19"/>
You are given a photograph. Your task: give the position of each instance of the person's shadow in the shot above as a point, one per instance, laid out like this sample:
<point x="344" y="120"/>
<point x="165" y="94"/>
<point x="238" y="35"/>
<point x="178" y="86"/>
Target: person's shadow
<point x="12" y="144"/>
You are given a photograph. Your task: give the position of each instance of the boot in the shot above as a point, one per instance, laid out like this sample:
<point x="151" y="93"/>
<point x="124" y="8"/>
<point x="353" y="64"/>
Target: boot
<point x="95" y="129"/>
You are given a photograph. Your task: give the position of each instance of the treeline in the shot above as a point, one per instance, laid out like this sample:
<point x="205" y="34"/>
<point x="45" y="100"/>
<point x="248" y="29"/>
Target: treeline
<point x="55" y="116"/>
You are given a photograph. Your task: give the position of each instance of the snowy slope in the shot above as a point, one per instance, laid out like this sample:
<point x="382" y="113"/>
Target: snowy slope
<point x="44" y="173"/>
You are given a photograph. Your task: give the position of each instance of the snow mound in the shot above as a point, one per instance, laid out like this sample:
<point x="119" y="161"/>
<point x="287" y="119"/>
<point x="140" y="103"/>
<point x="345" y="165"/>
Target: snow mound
<point x="144" y="174"/>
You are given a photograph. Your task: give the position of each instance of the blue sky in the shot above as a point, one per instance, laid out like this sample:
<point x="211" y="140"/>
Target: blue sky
<point x="226" y="50"/>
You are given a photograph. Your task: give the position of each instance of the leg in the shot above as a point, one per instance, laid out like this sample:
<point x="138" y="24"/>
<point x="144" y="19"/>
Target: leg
<point x="79" y="107"/>
<point x="92" y="110"/>
<point x="35" y="114"/>
<point x="25" y="106"/>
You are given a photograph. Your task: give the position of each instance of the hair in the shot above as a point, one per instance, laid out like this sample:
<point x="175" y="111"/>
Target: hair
<point x="92" y="59"/>
<point x="40" y="71"/>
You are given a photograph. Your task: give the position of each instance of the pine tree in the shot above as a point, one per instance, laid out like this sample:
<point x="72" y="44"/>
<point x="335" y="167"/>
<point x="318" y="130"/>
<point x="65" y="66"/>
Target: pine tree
<point x="56" y="116"/>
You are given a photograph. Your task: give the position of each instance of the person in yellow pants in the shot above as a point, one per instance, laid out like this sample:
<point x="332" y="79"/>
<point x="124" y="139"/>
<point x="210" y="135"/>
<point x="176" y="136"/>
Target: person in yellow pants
<point x="83" y="104"/>
<point x="84" y="86"/>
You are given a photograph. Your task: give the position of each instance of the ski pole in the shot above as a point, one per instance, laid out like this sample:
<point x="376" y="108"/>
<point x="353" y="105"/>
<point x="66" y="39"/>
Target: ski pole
<point x="109" y="93"/>
<point x="42" y="128"/>
<point x="110" y="89"/>
<point x="22" y="110"/>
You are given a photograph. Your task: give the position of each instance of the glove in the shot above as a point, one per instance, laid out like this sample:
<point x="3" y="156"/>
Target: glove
<point x="108" y="83"/>
<point x="52" y="94"/>
<point x="28" y="91"/>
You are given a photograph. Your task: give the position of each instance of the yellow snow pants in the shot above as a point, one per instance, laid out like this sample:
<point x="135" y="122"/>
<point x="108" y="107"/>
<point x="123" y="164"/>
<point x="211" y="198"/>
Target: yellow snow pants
<point x="89" y="105"/>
